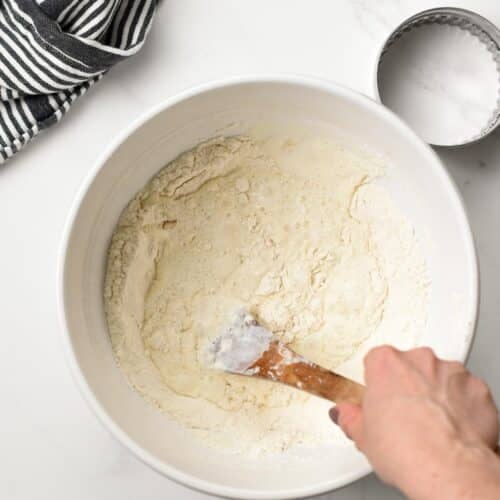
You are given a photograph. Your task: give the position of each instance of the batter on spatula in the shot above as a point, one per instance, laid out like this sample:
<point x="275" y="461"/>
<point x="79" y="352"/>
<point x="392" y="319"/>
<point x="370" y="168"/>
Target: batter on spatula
<point x="247" y="348"/>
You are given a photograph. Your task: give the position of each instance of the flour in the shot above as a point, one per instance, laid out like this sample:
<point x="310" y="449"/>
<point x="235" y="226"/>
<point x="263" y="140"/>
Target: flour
<point x="292" y="229"/>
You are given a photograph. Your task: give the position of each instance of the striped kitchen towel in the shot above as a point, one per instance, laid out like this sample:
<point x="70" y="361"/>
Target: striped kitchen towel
<point x="52" y="51"/>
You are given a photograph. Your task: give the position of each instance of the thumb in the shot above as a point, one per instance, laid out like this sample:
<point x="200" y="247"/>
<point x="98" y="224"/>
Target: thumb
<point x="349" y="417"/>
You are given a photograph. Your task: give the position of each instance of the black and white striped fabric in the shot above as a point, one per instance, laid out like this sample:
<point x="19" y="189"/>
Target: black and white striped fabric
<point x="52" y="51"/>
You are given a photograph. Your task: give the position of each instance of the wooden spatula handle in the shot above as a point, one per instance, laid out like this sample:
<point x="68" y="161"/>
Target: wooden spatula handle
<point x="281" y="364"/>
<point x="321" y="382"/>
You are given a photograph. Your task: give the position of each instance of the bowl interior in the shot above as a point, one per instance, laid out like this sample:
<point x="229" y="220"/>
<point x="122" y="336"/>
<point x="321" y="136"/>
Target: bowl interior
<point x="416" y="181"/>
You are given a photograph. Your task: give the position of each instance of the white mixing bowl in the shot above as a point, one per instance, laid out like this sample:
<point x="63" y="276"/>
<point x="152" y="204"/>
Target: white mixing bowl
<point x="417" y="182"/>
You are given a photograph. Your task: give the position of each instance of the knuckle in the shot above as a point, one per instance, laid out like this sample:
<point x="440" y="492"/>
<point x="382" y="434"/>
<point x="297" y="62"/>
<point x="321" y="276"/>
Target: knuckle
<point x="386" y="351"/>
<point x="426" y="354"/>
<point x="455" y="366"/>
<point x="381" y="353"/>
<point x="479" y="386"/>
<point x="425" y="360"/>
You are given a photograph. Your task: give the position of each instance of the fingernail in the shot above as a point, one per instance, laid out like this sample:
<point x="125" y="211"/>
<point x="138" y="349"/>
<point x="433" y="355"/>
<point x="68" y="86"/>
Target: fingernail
<point x="334" y="415"/>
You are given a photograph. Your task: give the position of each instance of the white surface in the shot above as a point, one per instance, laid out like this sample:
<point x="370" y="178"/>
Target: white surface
<point x="52" y="445"/>
<point x="417" y="183"/>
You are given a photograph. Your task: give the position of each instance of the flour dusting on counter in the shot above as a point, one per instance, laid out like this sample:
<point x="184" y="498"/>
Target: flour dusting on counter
<point x="295" y="230"/>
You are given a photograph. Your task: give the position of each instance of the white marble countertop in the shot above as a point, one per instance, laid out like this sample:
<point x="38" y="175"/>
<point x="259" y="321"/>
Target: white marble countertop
<point x="52" y="447"/>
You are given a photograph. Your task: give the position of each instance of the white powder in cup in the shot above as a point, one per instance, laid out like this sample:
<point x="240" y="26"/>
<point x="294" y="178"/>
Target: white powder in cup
<point x="443" y="81"/>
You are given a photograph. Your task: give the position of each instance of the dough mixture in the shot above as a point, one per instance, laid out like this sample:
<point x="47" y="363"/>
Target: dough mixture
<point x="293" y="230"/>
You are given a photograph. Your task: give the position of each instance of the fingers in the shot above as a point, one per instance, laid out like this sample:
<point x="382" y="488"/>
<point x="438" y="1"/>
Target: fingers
<point x="474" y="403"/>
<point x="394" y="366"/>
<point x="480" y="388"/>
<point x="453" y="367"/>
<point x="349" y="417"/>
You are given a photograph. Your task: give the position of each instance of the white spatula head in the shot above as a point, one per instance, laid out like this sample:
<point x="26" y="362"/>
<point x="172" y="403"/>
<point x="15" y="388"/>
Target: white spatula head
<point x="240" y="345"/>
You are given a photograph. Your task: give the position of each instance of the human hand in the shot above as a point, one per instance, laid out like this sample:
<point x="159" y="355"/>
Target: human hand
<point x="427" y="426"/>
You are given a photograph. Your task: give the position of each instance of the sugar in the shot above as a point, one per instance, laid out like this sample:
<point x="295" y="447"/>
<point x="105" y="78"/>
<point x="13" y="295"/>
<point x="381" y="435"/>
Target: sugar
<point x="442" y="81"/>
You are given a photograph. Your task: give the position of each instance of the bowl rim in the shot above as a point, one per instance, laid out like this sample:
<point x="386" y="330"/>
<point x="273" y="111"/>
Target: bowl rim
<point x="315" y="83"/>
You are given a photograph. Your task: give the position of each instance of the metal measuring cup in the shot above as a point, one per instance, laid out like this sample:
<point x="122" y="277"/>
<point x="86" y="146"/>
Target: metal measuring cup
<point x="425" y="117"/>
